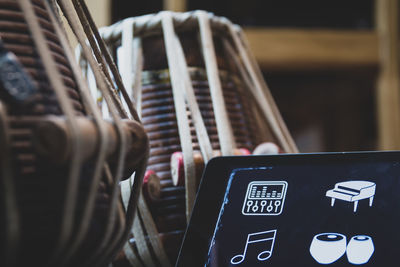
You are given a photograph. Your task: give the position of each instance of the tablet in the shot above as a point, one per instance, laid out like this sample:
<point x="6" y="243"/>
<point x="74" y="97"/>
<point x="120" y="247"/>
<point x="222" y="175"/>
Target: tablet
<point x="336" y="209"/>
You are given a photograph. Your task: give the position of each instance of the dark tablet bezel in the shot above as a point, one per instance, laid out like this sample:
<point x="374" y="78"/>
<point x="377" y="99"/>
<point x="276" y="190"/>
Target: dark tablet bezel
<point x="212" y="189"/>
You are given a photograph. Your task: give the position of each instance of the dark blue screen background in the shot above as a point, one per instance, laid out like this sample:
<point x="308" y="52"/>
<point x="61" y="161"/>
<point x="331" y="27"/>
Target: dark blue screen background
<point x="307" y="212"/>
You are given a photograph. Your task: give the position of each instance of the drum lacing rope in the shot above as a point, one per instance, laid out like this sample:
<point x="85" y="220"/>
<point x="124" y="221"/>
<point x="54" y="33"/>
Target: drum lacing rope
<point x="270" y="114"/>
<point x="67" y="109"/>
<point x="148" y="228"/>
<point x="100" y="125"/>
<point x="131" y="255"/>
<point x="137" y="228"/>
<point x="125" y="62"/>
<point x="260" y="121"/>
<point x="73" y="19"/>
<point x="132" y="51"/>
<point x="225" y="133"/>
<point x="108" y="90"/>
<point x="262" y="88"/>
<point x="178" y="89"/>
<point x="135" y="189"/>
<point x="108" y="242"/>
<point x="137" y="72"/>
<point x="198" y="122"/>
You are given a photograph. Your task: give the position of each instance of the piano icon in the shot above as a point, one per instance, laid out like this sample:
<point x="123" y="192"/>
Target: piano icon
<point x="352" y="191"/>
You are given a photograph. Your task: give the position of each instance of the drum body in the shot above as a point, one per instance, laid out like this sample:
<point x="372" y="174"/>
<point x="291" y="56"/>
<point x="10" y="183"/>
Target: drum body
<point x="197" y="98"/>
<point x="43" y="202"/>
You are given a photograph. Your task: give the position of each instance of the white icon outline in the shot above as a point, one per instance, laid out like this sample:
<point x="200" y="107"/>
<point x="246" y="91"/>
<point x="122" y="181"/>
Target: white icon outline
<point x="352" y="191"/>
<point x="327" y="248"/>
<point x="250" y="241"/>
<point x="272" y="204"/>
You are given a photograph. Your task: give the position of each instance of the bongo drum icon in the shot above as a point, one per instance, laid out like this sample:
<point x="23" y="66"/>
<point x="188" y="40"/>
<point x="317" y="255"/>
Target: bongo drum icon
<point x="327" y="248"/>
<point x="199" y="93"/>
<point x="360" y="249"/>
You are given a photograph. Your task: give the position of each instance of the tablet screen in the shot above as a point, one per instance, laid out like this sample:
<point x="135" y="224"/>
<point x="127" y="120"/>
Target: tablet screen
<point x="306" y="213"/>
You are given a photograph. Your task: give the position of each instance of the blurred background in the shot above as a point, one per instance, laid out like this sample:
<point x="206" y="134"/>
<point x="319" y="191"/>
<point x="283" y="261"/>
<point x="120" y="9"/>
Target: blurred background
<point x="332" y="66"/>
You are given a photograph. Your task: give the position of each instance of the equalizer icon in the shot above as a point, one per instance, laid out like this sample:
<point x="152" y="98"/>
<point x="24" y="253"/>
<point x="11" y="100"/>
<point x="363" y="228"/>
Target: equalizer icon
<point x="264" y="198"/>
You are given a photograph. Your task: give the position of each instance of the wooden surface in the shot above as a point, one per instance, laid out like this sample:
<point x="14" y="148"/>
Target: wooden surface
<point x="175" y="5"/>
<point x="388" y="95"/>
<point x="293" y="49"/>
<point x="296" y="49"/>
<point x="101" y="11"/>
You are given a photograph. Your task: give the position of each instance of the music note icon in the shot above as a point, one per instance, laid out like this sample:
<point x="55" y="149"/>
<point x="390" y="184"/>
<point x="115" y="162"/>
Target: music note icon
<point x="265" y="238"/>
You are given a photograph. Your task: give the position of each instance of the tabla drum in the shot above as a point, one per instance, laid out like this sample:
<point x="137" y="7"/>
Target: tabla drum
<point x="199" y="94"/>
<point x="61" y="162"/>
